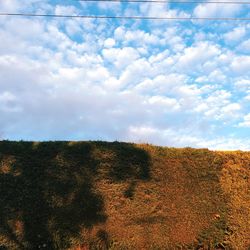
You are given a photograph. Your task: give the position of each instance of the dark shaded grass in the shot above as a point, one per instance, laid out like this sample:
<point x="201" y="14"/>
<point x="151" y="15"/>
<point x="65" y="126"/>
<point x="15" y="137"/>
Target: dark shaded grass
<point x="49" y="188"/>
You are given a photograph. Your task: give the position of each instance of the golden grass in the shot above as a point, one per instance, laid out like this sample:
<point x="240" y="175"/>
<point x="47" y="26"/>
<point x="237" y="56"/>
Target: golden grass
<point x="97" y="195"/>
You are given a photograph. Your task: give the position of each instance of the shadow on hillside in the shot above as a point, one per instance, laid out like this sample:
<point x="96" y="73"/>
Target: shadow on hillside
<point x="127" y="163"/>
<point x="47" y="192"/>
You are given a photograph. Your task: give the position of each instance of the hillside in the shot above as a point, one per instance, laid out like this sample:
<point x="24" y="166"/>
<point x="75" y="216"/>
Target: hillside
<point x="98" y="195"/>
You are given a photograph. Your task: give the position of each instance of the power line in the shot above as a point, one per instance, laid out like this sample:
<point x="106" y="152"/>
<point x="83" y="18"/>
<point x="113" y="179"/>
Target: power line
<point x="165" y="1"/>
<point x="128" y="17"/>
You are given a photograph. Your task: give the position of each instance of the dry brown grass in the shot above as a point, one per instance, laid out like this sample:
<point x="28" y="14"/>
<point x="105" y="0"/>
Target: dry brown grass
<point x="235" y="182"/>
<point x="173" y="207"/>
<point x="152" y="197"/>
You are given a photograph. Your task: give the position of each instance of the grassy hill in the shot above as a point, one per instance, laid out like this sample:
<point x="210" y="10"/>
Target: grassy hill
<point x="98" y="195"/>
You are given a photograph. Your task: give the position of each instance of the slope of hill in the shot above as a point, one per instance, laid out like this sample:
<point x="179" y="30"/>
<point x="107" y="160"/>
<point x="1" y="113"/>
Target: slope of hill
<point x="98" y="195"/>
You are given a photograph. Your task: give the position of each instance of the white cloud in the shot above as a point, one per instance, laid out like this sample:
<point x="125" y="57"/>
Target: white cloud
<point x="110" y="6"/>
<point x="148" y="134"/>
<point x="160" y="10"/>
<point x="109" y="43"/>
<point x="120" y="57"/>
<point x="226" y="143"/>
<point x="247" y="97"/>
<point x="218" y="106"/>
<point x="161" y="84"/>
<point x="119" y="33"/>
<point x="164" y="103"/>
<point x="230" y="110"/>
<point x="241" y="64"/>
<point x="246" y="121"/>
<point x="10" y="5"/>
<point x="124" y="80"/>
<point x="215" y="77"/>
<point x="216" y="10"/>
<point x="198" y="55"/>
<point x="235" y="35"/>
<point x="73" y="27"/>
<point x="66" y="10"/>
<point x="244" y="47"/>
<point x="243" y="84"/>
<point x="140" y="37"/>
<point x="8" y="102"/>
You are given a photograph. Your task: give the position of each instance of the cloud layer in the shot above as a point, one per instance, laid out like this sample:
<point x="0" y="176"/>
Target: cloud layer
<point x="167" y="83"/>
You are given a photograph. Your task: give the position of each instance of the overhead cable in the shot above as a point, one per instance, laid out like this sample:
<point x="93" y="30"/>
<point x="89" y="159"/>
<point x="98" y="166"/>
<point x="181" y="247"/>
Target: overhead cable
<point x="165" y="1"/>
<point x="128" y="17"/>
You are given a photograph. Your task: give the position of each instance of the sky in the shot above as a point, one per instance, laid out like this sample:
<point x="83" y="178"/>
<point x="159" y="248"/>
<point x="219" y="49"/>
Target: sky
<point x="170" y="83"/>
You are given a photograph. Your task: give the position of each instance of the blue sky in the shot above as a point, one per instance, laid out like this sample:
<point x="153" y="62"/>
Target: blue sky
<point x="169" y="83"/>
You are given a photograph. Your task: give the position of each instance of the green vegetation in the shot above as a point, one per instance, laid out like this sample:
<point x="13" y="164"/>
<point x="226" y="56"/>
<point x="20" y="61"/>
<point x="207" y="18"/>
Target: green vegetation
<point x="99" y="195"/>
